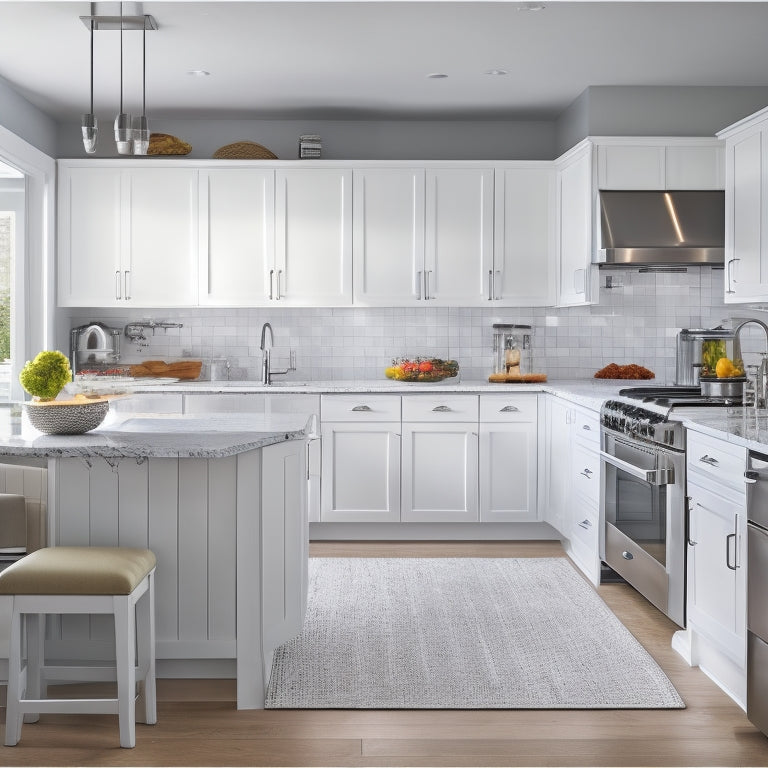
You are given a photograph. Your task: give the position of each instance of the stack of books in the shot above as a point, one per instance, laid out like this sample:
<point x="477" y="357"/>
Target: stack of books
<point x="309" y="147"/>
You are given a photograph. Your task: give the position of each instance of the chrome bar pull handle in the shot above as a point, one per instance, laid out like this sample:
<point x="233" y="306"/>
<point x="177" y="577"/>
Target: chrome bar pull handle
<point x="709" y="460"/>
<point x="490" y="285"/>
<point x="509" y="409"/>
<point x="271" y="278"/>
<point x="441" y="409"/>
<point x="118" y="293"/>
<point x="427" y="273"/>
<point x="127" y="284"/>
<point x="418" y="283"/>
<point x="362" y="408"/>
<point x="728" y="551"/>
<point x="279" y="294"/>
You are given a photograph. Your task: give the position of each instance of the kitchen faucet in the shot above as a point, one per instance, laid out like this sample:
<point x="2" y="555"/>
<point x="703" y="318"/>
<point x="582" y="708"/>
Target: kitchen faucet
<point x="266" y="364"/>
<point x="761" y="383"/>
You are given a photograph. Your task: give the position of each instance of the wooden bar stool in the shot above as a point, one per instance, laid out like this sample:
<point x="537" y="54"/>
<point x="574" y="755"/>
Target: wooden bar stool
<point x="82" y="580"/>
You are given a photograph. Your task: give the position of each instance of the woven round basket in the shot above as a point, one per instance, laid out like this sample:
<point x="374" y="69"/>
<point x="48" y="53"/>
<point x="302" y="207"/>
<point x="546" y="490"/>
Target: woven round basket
<point x="166" y="144"/>
<point x="244" y="150"/>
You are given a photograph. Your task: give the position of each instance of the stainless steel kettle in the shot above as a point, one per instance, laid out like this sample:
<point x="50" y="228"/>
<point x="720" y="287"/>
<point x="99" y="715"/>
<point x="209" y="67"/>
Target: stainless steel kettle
<point x="690" y="352"/>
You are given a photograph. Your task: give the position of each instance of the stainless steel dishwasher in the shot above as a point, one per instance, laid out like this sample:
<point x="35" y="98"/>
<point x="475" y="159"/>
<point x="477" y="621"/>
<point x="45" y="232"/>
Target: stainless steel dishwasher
<point x="756" y="477"/>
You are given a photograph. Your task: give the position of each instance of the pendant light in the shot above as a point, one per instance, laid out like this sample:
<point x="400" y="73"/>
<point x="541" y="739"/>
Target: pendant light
<point x="123" y="129"/>
<point x="89" y="125"/>
<point x="140" y="126"/>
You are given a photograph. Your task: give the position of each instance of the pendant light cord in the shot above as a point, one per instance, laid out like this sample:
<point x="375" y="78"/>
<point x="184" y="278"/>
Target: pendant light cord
<point x="121" y="58"/>
<point x="144" y="68"/>
<point x="91" y="65"/>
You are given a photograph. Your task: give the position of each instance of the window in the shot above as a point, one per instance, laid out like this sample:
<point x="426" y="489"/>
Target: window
<point x="7" y="248"/>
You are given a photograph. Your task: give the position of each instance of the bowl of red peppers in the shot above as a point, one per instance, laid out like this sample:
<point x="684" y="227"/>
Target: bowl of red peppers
<point x="424" y="369"/>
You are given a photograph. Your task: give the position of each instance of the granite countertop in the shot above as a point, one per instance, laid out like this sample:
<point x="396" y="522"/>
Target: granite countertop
<point x="157" y="436"/>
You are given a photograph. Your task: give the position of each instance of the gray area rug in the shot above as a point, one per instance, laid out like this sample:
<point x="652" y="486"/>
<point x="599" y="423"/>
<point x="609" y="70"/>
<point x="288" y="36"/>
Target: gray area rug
<point x="461" y="633"/>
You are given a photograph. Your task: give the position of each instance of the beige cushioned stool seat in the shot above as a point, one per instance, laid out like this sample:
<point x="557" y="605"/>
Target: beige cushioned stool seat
<point x="78" y="571"/>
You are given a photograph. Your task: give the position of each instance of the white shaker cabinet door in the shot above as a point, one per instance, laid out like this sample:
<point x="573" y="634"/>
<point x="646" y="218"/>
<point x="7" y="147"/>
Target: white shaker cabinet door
<point x="439" y="480"/>
<point x="162" y="237"/>
<point x="746" y="229"/>
<point x="89" y="241"/>
<point x="716" y="573"/>
<point x="524" y="257"/>
<point x="575" y="229"/>
<point x="508" y="472"/>
<point x="360" y="472"/>
<point x="313" y="237"/>
<point x="236" y="236"/>
<point x="388" y="219"/>
<point x="559" y="420"/>
<point x="459" y="235"/>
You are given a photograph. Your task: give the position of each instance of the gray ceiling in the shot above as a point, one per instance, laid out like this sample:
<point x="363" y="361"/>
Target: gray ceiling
<point x="370" y="60"/>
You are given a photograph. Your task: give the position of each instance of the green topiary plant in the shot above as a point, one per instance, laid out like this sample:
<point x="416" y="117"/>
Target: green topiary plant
<point x="45" y="376"/>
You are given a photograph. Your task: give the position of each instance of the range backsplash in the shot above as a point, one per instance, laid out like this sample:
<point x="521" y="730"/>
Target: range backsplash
<point x="636" y="321"/>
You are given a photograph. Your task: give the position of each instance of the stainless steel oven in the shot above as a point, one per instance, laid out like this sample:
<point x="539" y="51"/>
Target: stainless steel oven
<point x="642" y="504"/>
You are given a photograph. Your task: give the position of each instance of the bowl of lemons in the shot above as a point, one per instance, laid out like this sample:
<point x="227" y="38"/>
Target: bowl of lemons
<point x="727" y="382"/>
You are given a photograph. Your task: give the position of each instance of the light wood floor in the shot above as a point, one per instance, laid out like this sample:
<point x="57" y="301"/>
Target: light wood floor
<point x="199" y="725"/>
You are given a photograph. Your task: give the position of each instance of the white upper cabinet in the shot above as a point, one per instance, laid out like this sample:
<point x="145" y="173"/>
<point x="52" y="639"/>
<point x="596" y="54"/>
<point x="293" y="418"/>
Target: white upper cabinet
<point x="127" y="236"/>
<point x="574" y="230"/>
<point x="746" y="210"/>
<point x="313" y="237"/>
<point x="388" y="237"/>
<point x="523" y="272"/>
<point x="237" y="237"/>
<point x="660" y="163"/>
<point x="459" y="235"/>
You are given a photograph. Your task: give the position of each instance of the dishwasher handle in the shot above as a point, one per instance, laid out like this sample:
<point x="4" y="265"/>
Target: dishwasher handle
<point x="655" y="477"/>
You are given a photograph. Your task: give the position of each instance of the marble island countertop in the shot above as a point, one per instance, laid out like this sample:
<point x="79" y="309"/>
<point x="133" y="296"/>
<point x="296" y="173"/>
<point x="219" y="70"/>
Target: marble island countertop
<point x="157" y="436"/>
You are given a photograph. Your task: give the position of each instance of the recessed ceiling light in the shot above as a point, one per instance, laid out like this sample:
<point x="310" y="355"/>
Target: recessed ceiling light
<point x="198" y="73"/>
<point x="495" y="72"/>
<point x="437" y="75"/>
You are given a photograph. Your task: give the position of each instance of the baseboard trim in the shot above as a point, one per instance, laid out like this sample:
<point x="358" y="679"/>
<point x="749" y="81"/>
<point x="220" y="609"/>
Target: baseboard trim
<point x="432" y="532"/>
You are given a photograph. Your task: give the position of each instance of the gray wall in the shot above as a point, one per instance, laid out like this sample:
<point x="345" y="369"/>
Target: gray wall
<point x="656" y="111"/>
<point x="25" y="120"/>
<point x="347" y="140"/>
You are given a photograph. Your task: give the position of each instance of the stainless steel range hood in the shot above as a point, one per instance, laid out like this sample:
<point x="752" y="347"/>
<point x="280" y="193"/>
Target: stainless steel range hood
<point x="661" y="228"/>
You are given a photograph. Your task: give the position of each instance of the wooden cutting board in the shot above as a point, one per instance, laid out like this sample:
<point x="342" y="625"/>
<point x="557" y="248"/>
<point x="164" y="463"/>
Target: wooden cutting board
<point x="186" y="369"/>
<point x="524" y="378"/>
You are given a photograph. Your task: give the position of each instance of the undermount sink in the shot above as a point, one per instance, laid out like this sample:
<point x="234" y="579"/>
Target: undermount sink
<point x="286" y="384"/>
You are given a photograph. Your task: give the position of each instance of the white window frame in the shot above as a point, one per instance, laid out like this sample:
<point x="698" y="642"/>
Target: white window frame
<point x="34" y="283"/>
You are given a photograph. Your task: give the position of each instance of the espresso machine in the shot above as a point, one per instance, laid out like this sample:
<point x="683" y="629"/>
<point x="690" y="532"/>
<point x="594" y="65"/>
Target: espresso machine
<point x="94" y="346"/>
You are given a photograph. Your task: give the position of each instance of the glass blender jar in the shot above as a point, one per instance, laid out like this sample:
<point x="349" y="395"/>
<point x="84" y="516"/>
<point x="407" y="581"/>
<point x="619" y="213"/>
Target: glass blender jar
<point x="511" y="349"/>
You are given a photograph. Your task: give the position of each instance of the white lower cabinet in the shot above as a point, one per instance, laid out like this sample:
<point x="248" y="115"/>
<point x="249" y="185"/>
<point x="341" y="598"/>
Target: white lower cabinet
<point x="716" y="564"/>
<point x="440" y="473"/>
<point x="508" y="458"/>
<point x="559" y="417"/>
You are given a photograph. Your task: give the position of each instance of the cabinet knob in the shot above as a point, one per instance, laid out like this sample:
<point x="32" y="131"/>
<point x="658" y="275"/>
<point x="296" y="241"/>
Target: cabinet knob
<point x="627" y="555"/>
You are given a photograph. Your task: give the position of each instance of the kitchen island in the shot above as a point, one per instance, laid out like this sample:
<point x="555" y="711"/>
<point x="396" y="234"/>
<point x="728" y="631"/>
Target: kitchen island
<point x="222" y="503"/>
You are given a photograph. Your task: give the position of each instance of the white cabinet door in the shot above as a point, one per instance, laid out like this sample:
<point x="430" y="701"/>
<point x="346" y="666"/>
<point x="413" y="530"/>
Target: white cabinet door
<point x="630" y="167"/>
<point x="313" y="238"/>
<point x="559" y="420"/>
<point x="694" y="167"/>
<point x="388" y="237"/>
<point x="360" y="472"/>
<point x="127" y="236"/>
<point x="575" y="228"/>
<point x="89" y="238"/>
<point x="162" y="237"/>
<point x="524" y="258"/>
<point x="236" y="236"/>
<point x="716" y="573"/>
<point x="459" y="235"/>
<point x="746" y="228"/>
<point x="507" y="472"/>
<point x="439" y="468"/>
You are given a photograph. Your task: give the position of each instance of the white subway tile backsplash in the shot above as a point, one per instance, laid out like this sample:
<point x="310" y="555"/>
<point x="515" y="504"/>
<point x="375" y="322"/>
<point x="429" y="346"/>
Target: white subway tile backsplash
<point x="634" y="322"/>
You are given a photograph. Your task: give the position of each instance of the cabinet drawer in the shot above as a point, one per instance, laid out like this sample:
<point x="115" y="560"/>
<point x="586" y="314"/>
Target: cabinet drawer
<point x="721" y="462"/>
<point x="360" y="407"/>
<point x="585" y="528"/>
<point x="586" y="427"/>
<point x="495" y="408"/>
<point x="585" y="474"/>
<point x="436" y="408"/>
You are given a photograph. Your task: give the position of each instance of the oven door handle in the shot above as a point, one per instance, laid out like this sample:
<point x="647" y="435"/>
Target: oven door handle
<point x="652" y="476"/>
